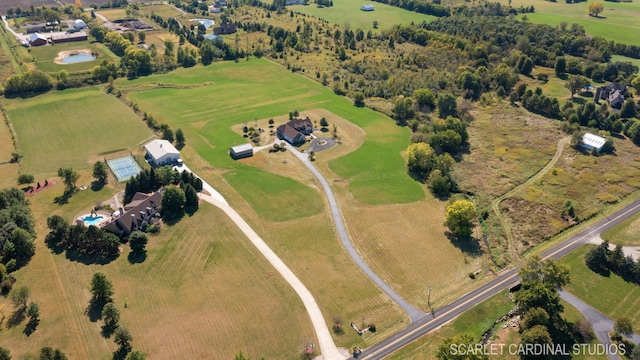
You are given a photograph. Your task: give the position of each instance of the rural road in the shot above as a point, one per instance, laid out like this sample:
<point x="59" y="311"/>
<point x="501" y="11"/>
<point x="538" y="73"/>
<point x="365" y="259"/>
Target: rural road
<point x="600" y="323"/>
<point x="414" y="314"/>
<point x="328" y="348"/>
<point x="496" y="203"/>
<point x="504" y="280"/>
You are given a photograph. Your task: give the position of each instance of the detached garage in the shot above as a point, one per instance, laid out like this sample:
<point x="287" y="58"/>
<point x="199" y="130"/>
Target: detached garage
<point x="241" y="151"/>
<point x="161" y="152"/>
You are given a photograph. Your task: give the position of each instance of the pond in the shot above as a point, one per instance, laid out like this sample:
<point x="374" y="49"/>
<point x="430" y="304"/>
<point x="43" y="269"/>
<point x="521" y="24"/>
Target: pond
<point x="77" y="58"/>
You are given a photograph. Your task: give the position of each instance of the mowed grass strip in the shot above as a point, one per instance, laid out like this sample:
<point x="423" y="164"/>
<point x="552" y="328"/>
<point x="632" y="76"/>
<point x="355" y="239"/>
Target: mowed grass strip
<point x="348" y="12"/>
<point x="8" y="171"/>
<point x="627" y="233"/>
<point x="72" y="128"/>
<point x="261" y="89"/>
<point x="622" y="298"/>
<point x="203" y="292"/>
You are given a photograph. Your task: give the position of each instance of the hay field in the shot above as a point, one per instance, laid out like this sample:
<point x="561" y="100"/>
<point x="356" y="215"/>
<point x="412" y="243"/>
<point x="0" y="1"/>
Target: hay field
<point x="72" y="128"/>
<point x="193" y="297"/>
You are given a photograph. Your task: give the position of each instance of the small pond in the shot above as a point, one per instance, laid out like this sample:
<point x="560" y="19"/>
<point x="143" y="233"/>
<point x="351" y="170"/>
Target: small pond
<point x="77" y="58"/>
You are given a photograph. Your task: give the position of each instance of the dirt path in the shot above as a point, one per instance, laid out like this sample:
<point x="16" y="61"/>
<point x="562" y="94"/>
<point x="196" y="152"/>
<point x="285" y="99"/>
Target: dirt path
<point x="496" y="203"/>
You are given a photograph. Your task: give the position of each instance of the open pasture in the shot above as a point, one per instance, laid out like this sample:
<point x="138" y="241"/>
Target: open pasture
<point x="72" y="128"/>
<point x="193" y="297"/>
<point x="618" y="21"/>
<point x="348" y="12"/>
<point x="205" y="110"/>
<point x="627" y="233"/>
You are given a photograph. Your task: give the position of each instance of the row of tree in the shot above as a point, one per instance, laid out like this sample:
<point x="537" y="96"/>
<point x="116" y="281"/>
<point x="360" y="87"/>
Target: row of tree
<point x="602" y="260"/>
<point x="46" y="353"/>
<point x="17" y="231"/>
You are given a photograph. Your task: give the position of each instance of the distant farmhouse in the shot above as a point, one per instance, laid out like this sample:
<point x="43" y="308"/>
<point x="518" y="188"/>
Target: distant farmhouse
<point x="161" y="152"/>
<point x="136" y="214"/>
<point x="214" y="9"/>
<point x="591" y="141"/>
<point x="229" y="28"/>
<point x="293" y="2"/>
<point x="614" y="93"/>
<point x="367" y="7"/>
<point x="295" y="131"/>
<point x="37" y="39"/>
<point x="241" y="151"/>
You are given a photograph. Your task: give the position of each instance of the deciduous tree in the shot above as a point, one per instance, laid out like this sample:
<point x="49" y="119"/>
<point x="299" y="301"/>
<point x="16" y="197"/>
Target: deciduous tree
<point x="595" y="8"/>
<point x="100" y="172"/>
<point x="460" y="217"/>
<point x="138" y="241"/>
<point x="101" y="289"/>
<point x="623" y="326"/>
<point x="575" y="83"/>
<point x="69" y="177"/>
<point x="173" y="199"/>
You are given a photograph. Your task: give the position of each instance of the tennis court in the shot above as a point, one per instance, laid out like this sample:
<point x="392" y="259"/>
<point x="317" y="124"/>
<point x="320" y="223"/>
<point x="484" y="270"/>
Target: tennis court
<point x="124" y="167"/>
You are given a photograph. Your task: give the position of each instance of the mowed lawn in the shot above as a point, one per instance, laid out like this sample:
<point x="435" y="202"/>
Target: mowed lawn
<point x="8" y="170"/>
<point x="348" y="12"/>
<point x="203" y="292"/>
<point x="206" y="112"/>
<point x="622" y="298"/>
<point x="627" y="233"/>
<point x="618" y="21"/>
<point x="72" y="128"/>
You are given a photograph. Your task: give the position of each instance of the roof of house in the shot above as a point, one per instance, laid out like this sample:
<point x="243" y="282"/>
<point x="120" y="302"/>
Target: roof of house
<point x="593" y="140"/>
<point x="36" y="36"/>
<point x="241" y="148"/>
<point x="159" y="148"/>
<point x="131" y="216"/>
<point x="367" y="7"/>
<point x="301" y="124"/>
<point x="288" y="131"/>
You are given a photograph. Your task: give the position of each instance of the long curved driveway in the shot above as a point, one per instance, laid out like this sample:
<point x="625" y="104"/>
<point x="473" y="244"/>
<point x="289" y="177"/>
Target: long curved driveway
<point x="501" y="282"/>
<point x="414" y="314"/>
<point x="496" y="203"/>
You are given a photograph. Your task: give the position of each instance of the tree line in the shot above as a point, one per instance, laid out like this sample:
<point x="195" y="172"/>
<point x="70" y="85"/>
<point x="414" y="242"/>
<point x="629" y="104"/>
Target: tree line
<point x="603" y="260"/>
<point x="151" y="180"/>
<point x="80" y="240"/>
<point x="17" y="232"/>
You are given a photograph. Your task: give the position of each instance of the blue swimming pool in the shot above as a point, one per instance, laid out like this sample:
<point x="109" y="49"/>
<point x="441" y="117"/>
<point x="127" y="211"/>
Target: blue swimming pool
<point x="92" y="220"/>
<point x="77" y="58"/>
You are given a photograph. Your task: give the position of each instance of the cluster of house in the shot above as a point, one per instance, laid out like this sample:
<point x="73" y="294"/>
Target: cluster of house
<point x="614" y="93"/>
<point x="38" y="39"/>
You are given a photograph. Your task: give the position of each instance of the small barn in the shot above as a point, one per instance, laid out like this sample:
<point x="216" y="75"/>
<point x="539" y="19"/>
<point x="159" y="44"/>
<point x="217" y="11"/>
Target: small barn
<point x="241" y="151"/>
<point x="37" y="39"/>
<point x="591" y="141"/>
<point x="367" y="7"/>
<point x="79" y="24"/>
<point x="161" y="152"/>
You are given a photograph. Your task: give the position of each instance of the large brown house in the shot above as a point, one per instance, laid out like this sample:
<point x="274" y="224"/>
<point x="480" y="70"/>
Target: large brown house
<point x="294" y="132"/>
<point x="136" y="215"/>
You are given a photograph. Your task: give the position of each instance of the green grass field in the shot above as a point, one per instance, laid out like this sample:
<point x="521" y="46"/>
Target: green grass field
<point x="269" y="90"/>
<point x="348" y="12"/>
<point x="72" y="128"/>
<point x="618" y="22"/>
<point x="45" y="56"/>
<point x="622" y="298"/>
<point x="627" y="233"/>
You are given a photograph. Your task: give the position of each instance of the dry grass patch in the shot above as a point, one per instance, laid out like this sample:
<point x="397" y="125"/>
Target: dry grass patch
<point x="8" y="171"/>
<point x="626" y="233"/>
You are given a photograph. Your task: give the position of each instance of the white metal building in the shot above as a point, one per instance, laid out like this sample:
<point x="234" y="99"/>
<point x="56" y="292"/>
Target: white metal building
<point x="591" y="141"/>
<point x="161" y="152"/>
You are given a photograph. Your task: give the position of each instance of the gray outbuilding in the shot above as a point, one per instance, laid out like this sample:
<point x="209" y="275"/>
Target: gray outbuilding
<point x="241" y="151"/>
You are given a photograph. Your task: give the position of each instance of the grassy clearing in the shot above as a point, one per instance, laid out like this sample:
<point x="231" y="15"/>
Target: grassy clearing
<point x="348" y="12"/>
<point x="72" y="128"/>
<point x="475" y="322"/>
<point x="8" y="171"/>
<point x="618" y="22"/>
<point x="268" y="90"/>
<point x="616" y="58"/>
<point x="193" y="297"/>
<point x="626" y="233"/>
<point x="44" y="56"/>
<point x="622" y="299"/>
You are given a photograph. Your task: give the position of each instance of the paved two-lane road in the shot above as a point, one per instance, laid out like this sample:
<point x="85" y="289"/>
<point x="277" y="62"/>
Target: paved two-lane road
<point x="504" y="280"/>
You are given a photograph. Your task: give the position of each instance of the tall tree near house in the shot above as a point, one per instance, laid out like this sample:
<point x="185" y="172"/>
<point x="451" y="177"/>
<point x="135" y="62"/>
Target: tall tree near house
<point x="575" y="83"/>
<point x="69" y="178"/>
<point x="180" y="140"/>
<point x="100" y="172"/>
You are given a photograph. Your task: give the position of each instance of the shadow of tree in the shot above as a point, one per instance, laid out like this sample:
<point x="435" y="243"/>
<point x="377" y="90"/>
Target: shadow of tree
<point x="174" y="218"/>
<point x="31" y="326"/>
<point x="108" y="330"/>
<point x="17" y="316"/>
<point x="74" y="255"/>
<point x="97" y="185"/>
<point x="468" y="245"/>
<point x="94" y="311"/>
<point x="137" y="257"/>
<point x="121" y="353"/>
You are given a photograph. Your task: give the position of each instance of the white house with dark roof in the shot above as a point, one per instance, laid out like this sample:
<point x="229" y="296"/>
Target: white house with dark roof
<point x="591" y="141"/>
<point x="161" y="152"/>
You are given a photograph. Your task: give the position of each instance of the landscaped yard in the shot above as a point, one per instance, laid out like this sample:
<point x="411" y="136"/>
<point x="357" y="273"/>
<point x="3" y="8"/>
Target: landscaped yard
<point x="45" y="56"/>
<point x="73" y="128"/>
